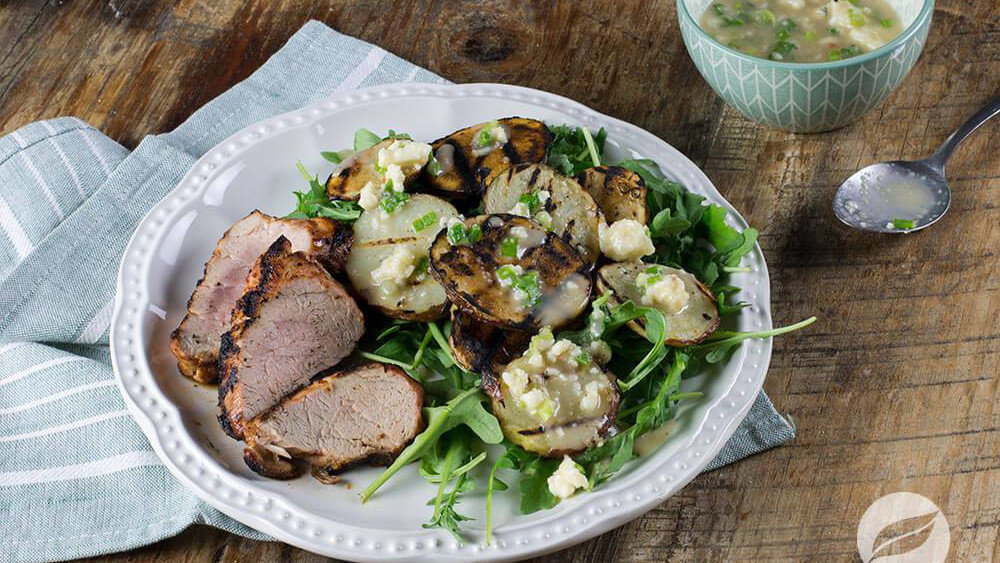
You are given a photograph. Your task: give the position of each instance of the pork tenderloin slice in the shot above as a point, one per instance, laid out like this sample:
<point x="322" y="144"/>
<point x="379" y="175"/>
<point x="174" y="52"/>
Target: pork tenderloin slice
<point x="195" y="343"/>
<point x="365" y="414"/>
<point x="293" y="322"/>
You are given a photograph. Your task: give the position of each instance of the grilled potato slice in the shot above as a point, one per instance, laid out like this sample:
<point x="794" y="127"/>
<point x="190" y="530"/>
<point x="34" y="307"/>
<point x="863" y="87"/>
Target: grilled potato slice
<point x="698" y="319"/>
<point x="619" y="192"/>
<point x="479" y="347"/>
<point x="549" y="403"/>
<point x="469" y="273"/>
<point x="381" y="239"/>
<point x="571" y="212"/>
<point x="466" y="170"/>
<point x="350" y="177"/>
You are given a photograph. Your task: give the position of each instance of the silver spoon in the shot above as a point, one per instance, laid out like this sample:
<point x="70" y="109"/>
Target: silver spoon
<point x="904" y="196"/>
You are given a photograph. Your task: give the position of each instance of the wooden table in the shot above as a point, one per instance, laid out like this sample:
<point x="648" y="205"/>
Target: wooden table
<point x="895" y="389"/>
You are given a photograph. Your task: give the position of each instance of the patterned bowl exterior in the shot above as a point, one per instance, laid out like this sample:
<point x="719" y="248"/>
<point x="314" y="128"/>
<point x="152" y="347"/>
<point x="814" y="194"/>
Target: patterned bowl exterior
<point x="804" y="97"/>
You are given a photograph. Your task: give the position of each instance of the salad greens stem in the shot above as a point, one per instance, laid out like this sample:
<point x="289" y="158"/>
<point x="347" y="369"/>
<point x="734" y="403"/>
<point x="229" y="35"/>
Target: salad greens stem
<point x="726" y="336"/>
<point x="435" y="331"/>
<point x="591" y="146"/>
<point x="385" y="360"/>
<point x="440" y="420"/>
<point x="449" y="460"/>
<point x="419" y="356"/>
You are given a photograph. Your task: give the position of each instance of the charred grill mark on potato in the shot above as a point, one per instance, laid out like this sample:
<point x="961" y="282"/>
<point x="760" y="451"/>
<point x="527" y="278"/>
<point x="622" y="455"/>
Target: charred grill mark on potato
<point x="377" y="238"/>
<point x="468" y="274"/>
<point x="481" y="348"/>
<point x="574" y="214"/>
<point x="469" y="175"/>
<point x="619" y="192"/>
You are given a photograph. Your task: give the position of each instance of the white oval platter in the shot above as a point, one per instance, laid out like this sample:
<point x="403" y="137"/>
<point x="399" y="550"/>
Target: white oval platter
<point x="255" y="169"/>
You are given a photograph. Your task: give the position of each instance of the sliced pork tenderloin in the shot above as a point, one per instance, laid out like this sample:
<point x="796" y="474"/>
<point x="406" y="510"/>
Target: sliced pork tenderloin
<point x="195" y="343"/>
<point x="292" y="322"/>
<point x="367" y="414"/>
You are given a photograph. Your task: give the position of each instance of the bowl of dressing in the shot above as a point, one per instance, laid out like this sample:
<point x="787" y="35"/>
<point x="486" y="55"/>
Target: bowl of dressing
<point x="804" y="65"/>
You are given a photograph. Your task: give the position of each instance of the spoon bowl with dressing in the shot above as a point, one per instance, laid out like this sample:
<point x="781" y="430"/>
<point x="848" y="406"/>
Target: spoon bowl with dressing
<point x="904" y="196"/>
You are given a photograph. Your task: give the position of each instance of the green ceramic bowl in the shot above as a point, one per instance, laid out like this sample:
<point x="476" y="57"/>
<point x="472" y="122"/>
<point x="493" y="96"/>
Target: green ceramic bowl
<point x="806" y="97"/>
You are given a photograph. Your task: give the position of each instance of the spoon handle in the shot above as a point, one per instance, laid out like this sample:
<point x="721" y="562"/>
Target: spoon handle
<point x="941" y="156"/>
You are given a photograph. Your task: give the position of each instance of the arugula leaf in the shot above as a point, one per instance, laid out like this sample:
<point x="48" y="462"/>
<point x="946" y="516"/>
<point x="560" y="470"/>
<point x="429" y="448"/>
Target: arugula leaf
<point x="365" y="139"/>
<point x="465" y="409"/>
<point x="449" y="461"/>
<point x="718" y="346"/>
<point x="603" y="461"/>
<point x="315" y="202"/>
<point x="571" y="152"/>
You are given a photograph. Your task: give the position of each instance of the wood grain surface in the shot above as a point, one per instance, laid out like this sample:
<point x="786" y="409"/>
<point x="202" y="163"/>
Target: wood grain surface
<point x="894" y="389"/>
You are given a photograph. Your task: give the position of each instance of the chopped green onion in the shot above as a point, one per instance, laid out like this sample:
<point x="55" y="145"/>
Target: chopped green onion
<point x="506" y="272"/>
<point x="508" y="247"/>
<point x="856" y="17"/>
<point x="433" y="166"/>
<point x="391" y="200"/>
<point x="583" y="359"/>
<point x="427" y="220"/>
<point x="475" y="233"/>
<point x="764" y="16"/>
<point x="833" y="31"/>
<point x="528" y="284"/>
<point x="719" y="9"/>
<point x="809" y="36"/>
<point x="458" y="234"/>
<point x="902" y="223"/>
<point x="422" y="265"/>
<point x="886" y="23"/>
<point x="485" y="136"/>
<point x="531" y="200"/>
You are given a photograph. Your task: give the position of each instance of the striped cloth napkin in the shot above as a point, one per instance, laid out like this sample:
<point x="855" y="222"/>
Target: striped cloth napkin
<point x="77" y="476"/>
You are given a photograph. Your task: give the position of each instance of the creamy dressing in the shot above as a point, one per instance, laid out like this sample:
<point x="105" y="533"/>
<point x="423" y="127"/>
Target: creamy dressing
<point x="650" y="441"/>
<point x="894" y="203"/>
<point x="445" y="155"/>
<point x="802" y="31"/>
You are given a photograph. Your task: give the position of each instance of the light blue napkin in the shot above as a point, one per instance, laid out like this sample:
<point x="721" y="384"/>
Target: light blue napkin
<point x="77" y="477"/>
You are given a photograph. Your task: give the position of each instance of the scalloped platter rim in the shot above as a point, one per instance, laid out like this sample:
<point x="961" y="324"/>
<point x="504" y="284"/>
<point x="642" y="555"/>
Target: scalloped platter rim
<point x="255" y="169"/>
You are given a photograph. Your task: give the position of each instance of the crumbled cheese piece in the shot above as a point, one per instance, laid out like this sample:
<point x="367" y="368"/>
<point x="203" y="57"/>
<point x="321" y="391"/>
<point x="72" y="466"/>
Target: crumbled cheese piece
<point x="600" y="351"/>
<point x="405" y="154"/>
<point x="394" y="175"/>
<point x="370" y="197"/>
<point x="544" y="219"/>
<point x="521" y="210"/>
<point x="667" y="294"/>
<point x="533" y="399"/>
<point x="592" y="397"/>
<point x="566" y="479"/>
<point x="562" y="350"/>
<point x="536" y="360"/>
<point x="526" y="239"/>
<point x="516" y="380"/>
<point x="625" y="240"/>
<point x="499" y="135"/>
<point x="597" y="322"/>
<point x="397" y="268"/>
